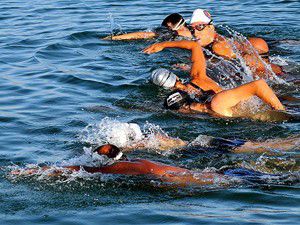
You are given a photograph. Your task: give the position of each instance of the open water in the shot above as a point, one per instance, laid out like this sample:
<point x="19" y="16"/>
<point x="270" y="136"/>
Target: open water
<point x="57" y="77"/>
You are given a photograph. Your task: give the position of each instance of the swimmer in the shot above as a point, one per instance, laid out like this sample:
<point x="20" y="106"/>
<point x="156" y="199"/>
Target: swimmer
<point x="202" y="30"/>
<point x="213" y="99"/>
<point x="208" y="143"/>
<point x="163" y="142"/>
<point x="123" y="166"/>
<point x="174" y="23"/>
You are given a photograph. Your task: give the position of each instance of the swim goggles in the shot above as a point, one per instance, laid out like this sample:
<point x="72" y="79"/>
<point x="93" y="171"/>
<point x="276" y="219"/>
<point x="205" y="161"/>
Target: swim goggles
<point x="201" y="27"/>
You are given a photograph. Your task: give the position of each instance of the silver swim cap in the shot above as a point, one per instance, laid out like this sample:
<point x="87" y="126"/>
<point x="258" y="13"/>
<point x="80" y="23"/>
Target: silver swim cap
<point x="163" y="78"/>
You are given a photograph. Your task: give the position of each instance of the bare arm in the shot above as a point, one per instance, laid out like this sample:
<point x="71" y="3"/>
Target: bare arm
<point x="162" y="143"/>
<point x="198" y="71"/>
<point x="132" y="36"/>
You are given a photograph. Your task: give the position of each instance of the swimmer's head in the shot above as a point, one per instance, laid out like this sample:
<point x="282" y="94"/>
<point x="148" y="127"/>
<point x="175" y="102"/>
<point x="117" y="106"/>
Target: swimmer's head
<point x="177" y="100"/>
<point x="111" y="151"/>
<point x="174" y="22"/>
<point x="200" y="16"/>
<point x="163" y="78"/>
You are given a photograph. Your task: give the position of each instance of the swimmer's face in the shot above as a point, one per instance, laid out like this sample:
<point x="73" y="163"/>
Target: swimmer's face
<point x="205" y="34"/>
<point x="185" y="108"/>
<point x="201" y="27"/>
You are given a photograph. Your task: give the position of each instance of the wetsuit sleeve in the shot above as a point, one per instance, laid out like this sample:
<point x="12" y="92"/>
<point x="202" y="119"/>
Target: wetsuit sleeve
<point x="225" y="145"/>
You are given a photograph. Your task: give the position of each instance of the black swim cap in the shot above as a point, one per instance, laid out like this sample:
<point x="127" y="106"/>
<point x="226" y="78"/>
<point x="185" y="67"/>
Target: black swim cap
<point x="173" y="18"/>
<point x="176" y="99"/>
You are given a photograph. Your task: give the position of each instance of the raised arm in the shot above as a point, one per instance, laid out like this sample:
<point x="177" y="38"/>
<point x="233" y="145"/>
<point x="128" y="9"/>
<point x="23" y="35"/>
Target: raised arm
<point x="132" y="36"/>
<point x="198" y="71"/>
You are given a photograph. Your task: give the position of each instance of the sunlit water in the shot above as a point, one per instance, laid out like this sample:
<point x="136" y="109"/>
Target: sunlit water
<point x="60" y="82"/>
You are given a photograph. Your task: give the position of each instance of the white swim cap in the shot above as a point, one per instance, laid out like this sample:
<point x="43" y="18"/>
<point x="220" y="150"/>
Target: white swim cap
<point x="163" y="78"/>
<point x="201" y="16"/>
<point x="124" y="134"/>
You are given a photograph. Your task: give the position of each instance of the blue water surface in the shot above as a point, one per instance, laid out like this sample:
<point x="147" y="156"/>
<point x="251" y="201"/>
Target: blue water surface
<point x="57" y="76"/>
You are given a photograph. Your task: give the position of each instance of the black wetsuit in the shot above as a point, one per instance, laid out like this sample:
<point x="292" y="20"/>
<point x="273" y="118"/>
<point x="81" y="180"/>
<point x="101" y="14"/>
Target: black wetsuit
<point x="205" y="96"/>
<point x="209" y="145"/>
<point x="249" y="175"/>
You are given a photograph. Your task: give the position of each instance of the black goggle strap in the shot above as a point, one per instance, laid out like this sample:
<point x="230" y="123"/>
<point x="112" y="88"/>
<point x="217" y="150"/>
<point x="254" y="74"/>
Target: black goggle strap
<point x="166" y="78"/>
<point x="195" y="86"/>
<point x="264" y="55"/>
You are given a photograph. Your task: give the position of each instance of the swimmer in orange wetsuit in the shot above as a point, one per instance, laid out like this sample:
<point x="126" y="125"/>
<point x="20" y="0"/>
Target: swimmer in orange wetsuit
<point x="121" y="165"/>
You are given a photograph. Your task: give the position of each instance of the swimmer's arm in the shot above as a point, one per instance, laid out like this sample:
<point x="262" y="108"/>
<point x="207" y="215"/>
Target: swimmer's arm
<point x="132" y="36"/>
<point x="198" y="71"/>
<point x="167" y="143"/>
<point x="163" y="143"/>
<point x="199" y="107"/>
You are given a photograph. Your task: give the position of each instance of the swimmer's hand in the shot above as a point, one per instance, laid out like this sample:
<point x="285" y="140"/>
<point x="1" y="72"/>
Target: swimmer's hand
<point x="154" y="48"/>
<point x="182" y="66"/>
<point x="108" y="38"/>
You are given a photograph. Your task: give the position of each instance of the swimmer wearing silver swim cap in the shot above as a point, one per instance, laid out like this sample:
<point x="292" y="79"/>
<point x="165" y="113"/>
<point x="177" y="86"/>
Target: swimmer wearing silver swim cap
<point x="163" y="78"/>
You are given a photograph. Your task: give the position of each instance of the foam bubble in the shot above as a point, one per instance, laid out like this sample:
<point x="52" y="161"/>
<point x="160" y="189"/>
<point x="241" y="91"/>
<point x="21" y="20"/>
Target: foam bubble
<point x="280" y="61"/>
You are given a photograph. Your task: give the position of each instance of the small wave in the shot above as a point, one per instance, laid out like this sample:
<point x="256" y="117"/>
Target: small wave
<point x="83" y="35"/>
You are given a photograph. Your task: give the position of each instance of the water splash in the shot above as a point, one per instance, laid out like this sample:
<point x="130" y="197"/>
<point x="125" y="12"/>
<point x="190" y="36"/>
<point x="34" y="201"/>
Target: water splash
<point x="115" y="28"/>
<point x="236" y="37"/>
<point x="228" y="73"/>
<point x="122" y="134"/>
<point x="112" y="22"/>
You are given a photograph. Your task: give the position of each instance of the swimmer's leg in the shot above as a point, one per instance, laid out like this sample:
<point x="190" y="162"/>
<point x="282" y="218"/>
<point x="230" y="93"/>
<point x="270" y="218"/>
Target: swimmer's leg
<point x="223" y="102"/>
<point x="246" y="174"/>
<point x="269" y="145"/>
<point x="192" y="178"/>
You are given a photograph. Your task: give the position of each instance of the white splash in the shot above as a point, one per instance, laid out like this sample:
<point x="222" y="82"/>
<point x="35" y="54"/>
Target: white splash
<point x="113" y="132"/>
<point x="121" y="134"/>
<point x="238" y="37"/>
<point x="201" y="140"/>
<point x="280" y="61"/>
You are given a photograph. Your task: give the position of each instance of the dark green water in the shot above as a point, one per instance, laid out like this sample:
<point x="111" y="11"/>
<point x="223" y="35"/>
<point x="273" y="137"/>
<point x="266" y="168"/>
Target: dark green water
<point x="57" y="77"/>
